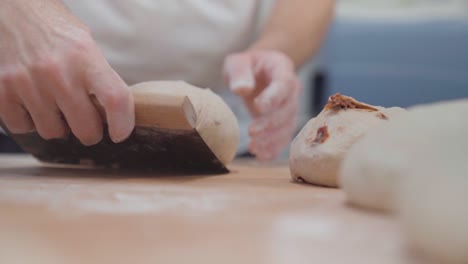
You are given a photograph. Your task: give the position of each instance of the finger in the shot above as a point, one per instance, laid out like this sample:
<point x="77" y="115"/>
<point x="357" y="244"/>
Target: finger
<point x="82" y="118"/>
<point x="272" y="138"/>
<point x="271" y="143"/>
<point x="271" y="133"/>
<point x="17" y="119"/>
<point x="277" y="92"/>
<point x="269" y="152"/>
<point x="45" y="114"/>
<point x="275" y="136"/>
<point x="238" y="69"/>
<point x="276" y="119"/>
<point x="116" y="99"/>
<point x="81" y="115"/>
<point x="13" y="114"/>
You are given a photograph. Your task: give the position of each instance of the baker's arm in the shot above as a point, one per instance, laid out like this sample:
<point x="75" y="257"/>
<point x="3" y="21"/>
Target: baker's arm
<point x="265" y="74"/>
<point x="296" y="28"/>
<point x="49" y="68"/>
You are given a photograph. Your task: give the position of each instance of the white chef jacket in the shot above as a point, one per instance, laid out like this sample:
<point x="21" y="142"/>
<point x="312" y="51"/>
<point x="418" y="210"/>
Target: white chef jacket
<point x="186" y="40"/>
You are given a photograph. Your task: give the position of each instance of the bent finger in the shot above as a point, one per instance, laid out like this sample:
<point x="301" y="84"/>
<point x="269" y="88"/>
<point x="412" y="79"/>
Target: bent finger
<point x="81" y="115"/>
<point x="277" y="93"/>
<point x="276" y="119"/>
<point x="116" y="99"/>
<point x="238" y="69"/>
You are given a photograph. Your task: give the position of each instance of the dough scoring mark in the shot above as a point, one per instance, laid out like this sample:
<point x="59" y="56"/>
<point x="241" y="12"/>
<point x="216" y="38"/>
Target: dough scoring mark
<point x="321" y="136"/>
<point x="382" y="116"/>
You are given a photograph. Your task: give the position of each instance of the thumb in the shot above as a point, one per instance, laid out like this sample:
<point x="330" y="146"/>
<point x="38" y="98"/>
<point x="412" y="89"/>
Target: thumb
<point x="238" y="69"/>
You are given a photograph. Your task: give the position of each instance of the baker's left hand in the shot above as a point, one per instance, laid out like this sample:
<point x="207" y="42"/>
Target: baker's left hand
<point x="267" y="81"/>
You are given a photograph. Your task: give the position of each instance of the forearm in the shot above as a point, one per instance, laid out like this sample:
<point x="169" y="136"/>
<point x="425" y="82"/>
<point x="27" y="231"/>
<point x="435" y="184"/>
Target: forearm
<point x="296" y="28"/>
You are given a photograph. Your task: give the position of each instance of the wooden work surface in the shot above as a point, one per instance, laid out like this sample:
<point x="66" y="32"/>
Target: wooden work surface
<point x="253" y="215"/>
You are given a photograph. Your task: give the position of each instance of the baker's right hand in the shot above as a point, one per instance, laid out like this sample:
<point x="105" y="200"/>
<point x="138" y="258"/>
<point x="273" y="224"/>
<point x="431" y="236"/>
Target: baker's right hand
<point x="50" y="68"/>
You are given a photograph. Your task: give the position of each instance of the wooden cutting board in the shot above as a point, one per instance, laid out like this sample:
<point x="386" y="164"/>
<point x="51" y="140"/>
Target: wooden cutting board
<point x="253" y="215"/>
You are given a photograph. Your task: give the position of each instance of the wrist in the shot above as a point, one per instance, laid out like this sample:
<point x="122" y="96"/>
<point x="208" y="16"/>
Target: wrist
<point x="279" y="42"/>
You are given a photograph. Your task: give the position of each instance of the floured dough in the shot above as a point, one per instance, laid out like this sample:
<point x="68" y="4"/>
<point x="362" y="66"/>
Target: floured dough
<point x="432" y="207"/>
<point x="417" y="166"/>
<point x="216" y="123"/>
<point x="375" y="165"/>
<point x="319" y="148"/>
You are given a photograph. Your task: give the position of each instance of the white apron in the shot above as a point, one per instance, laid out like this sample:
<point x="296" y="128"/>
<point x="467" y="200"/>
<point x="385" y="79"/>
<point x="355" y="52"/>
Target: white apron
<point x="175" y="39"/>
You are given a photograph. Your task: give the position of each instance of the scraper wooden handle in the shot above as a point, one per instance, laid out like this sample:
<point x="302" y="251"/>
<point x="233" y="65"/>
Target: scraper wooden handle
<point x="160" y="110"/>
<point x="153" y="109"/>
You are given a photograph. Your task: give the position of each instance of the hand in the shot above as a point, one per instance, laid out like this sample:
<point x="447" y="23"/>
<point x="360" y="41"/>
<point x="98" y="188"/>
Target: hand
<point x="50" y="68"/>
<point x="267" y="82"/>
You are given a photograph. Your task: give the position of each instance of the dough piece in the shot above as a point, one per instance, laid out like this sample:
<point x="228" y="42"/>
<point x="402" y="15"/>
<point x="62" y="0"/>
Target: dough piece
<point x="432" y="203"/>
<point x="319" y="148"/>
<point x="216" y="123"/>
<point x="373" y="168"/>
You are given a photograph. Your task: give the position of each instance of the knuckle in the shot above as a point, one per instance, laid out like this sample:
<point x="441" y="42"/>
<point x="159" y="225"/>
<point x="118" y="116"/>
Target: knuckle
<point x="115" y="98"/>
<point x="46" y="65"/>
<point x="13" y="74"/>
<point x="67" y="91"/>
<point x="81" y="45"/>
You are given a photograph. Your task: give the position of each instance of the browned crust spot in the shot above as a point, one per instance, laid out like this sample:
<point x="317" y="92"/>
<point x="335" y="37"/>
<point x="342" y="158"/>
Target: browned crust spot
<point x="339" y="101"/>
<point x="321" y="136"/>
<point x="382" y="116"/>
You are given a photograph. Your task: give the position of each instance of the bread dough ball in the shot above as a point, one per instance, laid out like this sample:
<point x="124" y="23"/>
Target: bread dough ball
<point x="374" y="167"/>
<point x="319" y="148"/>
<point x="215" y="121"/>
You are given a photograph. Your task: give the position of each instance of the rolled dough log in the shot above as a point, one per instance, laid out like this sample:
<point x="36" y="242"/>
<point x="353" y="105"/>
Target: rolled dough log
<point x="215" y="121"/>
<point x="417" y="166"/>
<point x="373" y="168"/>
<point x="432" y="206"/>
<point x="319" y="148"/>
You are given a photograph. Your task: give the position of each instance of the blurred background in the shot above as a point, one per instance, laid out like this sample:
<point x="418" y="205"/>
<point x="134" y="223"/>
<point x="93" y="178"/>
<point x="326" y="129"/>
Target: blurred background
<point x="391" y="53"/>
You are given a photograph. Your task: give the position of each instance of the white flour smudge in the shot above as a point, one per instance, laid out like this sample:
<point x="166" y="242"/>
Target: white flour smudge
<point x="137" y="203"/>
<point x="303" y="226"/>
<point x="118" y="198"/>
<point x="291" y="237"/>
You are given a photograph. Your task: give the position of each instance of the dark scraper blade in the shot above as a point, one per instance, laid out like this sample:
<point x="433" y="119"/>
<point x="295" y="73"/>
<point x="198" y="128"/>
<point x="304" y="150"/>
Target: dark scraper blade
<point x="161" y="150"/>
